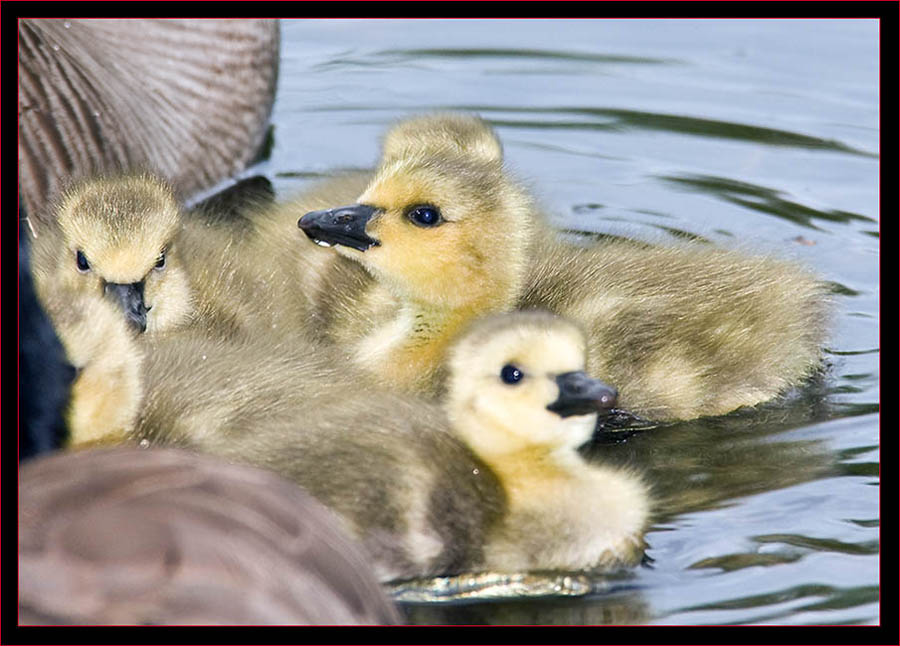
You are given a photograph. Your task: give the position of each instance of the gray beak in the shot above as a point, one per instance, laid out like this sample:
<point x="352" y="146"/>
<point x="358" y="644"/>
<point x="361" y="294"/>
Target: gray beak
<point x="580" y="394"/>
<point x="345" y="225"/>
<point x="131" y="299"/>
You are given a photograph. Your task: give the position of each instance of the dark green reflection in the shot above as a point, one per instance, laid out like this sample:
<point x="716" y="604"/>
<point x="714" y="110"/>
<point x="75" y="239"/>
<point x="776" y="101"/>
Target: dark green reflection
<point x="847" y="389"/>
<point x="851" y="353"/>
<point x="539" y="54"/>
<point x="849" y="454"/>
<point x="596" y="214"/>
<point x="319" y="175"/>
<point x="841" y="290"/>
<point x="557" y="124"/>
<point x="862" y="376"/>
<point x="705" y="463"/>
<point x="760" y="198"/>
<point x="864" y="469"/>
<point x="850" y="409"/>
<point x="732" y="562"/>
<point x="597" y="236"/>
<point x="622" y="608"/>
<point x="682" y="235"/>
<point x="820" y="544"/>
<point x="772" y="598"/>
<point x="722" y="130"/>
<point x="847" y="598"/>
<point x="623" y="120"/>
<point x="835" y="598"/>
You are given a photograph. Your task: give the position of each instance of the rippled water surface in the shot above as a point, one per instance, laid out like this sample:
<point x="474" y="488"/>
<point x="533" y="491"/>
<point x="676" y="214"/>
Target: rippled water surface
<point x="758" y="133"/>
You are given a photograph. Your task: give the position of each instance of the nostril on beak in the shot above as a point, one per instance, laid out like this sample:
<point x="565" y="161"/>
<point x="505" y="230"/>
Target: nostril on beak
<point x="609" y="398"/>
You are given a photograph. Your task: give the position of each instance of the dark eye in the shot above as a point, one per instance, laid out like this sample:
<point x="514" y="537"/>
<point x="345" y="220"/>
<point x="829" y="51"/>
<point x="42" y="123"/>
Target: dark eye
<point x="510" y="374"/>
<point x="425" y="216"/>
<point x="81" y="261"/>
<point x="161" y="261"/>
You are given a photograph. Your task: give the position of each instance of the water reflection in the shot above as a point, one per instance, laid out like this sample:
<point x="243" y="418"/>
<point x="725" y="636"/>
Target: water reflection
<point x="617" y="608"/>
<point x="536" y="54"/>
<point x="704" y="463"/>
<point x="765" y="200"/>
<point x="595" y="213"/>
<point x="624" y="120"/>
<point x="835" y="598"/>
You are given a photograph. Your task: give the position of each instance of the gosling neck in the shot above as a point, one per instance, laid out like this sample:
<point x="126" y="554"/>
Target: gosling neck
<point x="531" y="473"/>
<point x="408" y="350"/>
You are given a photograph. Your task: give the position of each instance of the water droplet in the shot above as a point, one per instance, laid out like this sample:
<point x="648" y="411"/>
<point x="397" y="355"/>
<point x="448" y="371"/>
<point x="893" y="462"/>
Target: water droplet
<point x="145" y="443"/>
<point x="203" y="357"/>
<point x="475" y="472"/>
<point x="67" y="24"/>
<point x="56" y="48"/>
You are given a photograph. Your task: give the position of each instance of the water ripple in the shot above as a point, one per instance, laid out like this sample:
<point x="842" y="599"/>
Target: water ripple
<point x="760" y="198"/>
<point x="492" y="585"/>
<point x="851" y="353"/>
<point x="834" y="597"/>
<point x="820" y="544"/>
<point x="733" y="562"/>
<point x="515" y="54"/>
<point x="595" y="210"/>
<point x="622" y="120"/>
<point x="618" y="120"/>
<point x="851" y="409"/>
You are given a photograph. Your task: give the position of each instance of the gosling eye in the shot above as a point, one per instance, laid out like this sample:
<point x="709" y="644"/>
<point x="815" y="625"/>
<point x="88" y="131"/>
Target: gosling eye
<point x="425" y="215"/>
<point x="81" y="262"/>
<point x="161" y="261"/>
<point x="510" y="374"/>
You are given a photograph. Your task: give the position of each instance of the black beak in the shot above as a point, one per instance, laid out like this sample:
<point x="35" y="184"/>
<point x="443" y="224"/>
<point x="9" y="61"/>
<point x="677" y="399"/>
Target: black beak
<point x="345" y="225"/>
<point x="131" y="299"/>
<point x="579" y="394"/>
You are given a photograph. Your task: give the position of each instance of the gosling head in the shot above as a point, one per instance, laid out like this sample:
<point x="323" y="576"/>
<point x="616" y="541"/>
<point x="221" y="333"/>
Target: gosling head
<point x="517" y="383"/>
<point x="119" y="236"/>
<point x="441" y="222"/>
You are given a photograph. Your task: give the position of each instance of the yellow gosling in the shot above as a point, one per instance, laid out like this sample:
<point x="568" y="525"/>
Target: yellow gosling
<point x="117" y="236"/>
<point x="442" y="235"/>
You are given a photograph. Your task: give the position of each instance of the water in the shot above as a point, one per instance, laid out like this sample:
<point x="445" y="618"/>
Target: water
<point x="757" y="133"/>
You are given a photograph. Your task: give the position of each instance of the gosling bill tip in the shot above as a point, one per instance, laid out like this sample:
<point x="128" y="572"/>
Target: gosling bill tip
<point x="130" y="297"/>
<point x="580" y="394"/>
<point x="345" y="225"/>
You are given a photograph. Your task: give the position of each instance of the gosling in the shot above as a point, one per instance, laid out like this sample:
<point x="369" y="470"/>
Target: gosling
<point x="442" y="234"/>
<point x="125" y="236"/>
<point x="429" y="490"/>
<point x="519" y="397"/>
<point x="117" y="235"/>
